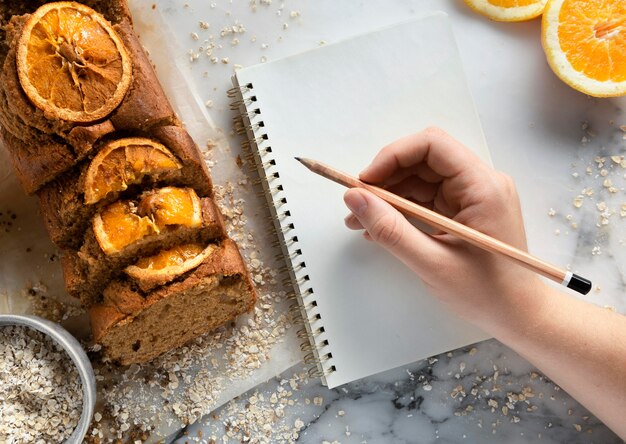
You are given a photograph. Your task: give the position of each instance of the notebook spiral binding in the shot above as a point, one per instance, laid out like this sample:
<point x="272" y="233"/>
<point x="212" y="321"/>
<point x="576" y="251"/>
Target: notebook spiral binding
<point x="303" y="308"/>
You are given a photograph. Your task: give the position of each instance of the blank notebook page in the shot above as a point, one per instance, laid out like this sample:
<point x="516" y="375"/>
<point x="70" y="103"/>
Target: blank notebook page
<point x="340" y="104"/>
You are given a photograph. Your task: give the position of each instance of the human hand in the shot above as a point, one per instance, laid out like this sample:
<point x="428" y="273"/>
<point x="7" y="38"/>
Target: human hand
<point x="438" y="172"/>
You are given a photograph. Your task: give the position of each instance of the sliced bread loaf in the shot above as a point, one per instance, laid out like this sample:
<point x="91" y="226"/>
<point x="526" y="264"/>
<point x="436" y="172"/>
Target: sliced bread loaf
<point x="133" y="326"/>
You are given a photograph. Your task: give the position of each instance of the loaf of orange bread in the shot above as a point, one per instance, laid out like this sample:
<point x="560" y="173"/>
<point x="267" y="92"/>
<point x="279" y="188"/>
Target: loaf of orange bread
<point x="123" y="189"/>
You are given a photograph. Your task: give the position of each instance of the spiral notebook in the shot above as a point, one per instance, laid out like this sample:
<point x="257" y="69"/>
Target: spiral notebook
<point x="363" y="312"/>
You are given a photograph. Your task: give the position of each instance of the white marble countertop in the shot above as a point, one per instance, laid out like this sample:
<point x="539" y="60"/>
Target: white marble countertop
<point x="540" y="131"/>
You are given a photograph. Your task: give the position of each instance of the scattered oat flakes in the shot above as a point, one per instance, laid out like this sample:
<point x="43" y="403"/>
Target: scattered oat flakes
<point x="578" y="201"/>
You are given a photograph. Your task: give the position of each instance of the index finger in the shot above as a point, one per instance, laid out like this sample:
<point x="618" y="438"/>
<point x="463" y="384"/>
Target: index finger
<point x="445" y="155"/>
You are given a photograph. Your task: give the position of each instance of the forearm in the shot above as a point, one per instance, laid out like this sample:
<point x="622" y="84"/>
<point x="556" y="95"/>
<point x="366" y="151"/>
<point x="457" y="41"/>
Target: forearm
<point x="580" y="346"/>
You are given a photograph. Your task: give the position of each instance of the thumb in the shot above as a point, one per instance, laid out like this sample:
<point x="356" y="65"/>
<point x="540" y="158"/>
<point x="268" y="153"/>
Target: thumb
<point x="387" y="227"/>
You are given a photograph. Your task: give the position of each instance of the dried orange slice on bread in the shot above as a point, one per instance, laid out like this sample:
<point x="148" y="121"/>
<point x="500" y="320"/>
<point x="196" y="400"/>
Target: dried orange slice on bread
<point x="508" y="10"/>
<point x="168" y="264"/>
<point x="71" y="63"/>
<point x="124" y="162"/>
<point x="119" y="225"/>
<point x="585" y="44"/>
<point x="172" y="206"/>
<point x="125" y="222"/>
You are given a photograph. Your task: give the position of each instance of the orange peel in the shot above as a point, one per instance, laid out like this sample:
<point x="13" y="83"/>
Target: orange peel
<point x="168" y="264"/>
<point x="508" y="10"/>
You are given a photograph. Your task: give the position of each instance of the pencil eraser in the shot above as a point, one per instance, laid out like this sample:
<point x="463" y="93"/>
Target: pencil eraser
<point x="579" y="284"/>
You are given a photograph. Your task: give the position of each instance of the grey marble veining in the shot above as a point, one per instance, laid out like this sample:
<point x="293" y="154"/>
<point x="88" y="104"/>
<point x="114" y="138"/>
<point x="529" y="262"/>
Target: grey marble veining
<point x="432" y="401"/>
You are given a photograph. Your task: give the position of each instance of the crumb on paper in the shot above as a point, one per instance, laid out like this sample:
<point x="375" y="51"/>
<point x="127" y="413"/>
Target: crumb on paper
<point x="578" y="201"/>
<point x="237" y="28"/>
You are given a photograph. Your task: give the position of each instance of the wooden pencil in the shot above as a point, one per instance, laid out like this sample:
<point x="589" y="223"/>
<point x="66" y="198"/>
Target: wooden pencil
<point x="440" y="222"/>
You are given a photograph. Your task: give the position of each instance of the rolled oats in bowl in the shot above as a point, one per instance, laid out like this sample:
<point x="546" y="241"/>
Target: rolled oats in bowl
<point x="41" y="394"/>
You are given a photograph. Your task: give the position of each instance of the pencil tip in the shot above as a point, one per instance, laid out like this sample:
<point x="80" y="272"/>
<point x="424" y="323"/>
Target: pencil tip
<point x="298" y="159"/>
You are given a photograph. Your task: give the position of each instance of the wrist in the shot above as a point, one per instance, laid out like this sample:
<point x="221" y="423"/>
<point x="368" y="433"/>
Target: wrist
<point x="520" y="310"/>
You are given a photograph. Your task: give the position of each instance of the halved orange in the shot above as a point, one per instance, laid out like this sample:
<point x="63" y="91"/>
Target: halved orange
<point x="71" y="63"/>
<point x="585" y="44"/>
<point x="508" y="10"/>
<point x="124" y="162"/>
<point x="168" y="264"/>
<point x="125" y="222"/>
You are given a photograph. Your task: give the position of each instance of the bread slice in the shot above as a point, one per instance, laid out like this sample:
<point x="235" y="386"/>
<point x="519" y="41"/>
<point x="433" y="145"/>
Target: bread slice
<point x="134" y="327"/>
<point x="62" y="204"/>
<point x="145" y="106"/>
<point x="88" y="270"/>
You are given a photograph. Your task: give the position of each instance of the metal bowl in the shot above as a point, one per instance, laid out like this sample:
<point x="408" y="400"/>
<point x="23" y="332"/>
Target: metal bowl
<point x="76" y="352"/>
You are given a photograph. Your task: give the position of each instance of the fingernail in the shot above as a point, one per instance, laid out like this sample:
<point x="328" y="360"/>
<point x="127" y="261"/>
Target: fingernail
<point x="355" y="202"/>
<point x="365" y="170"/>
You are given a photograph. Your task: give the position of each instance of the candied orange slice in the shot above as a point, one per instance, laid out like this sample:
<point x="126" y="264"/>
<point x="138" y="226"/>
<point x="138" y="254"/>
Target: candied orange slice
<point x="585" y="44"/>
<point x="508" y="10"/>
<point x="71" y="63"/>
<point x="124" y="162"/>
<point x="125" y="222"/>
<point x="118" y="225"/>
<point x="168" y="264"/>
<point x="172" y="206"/>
